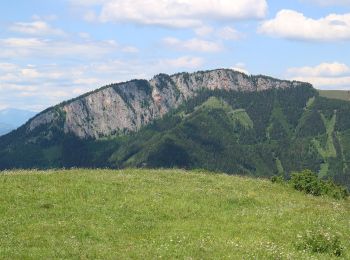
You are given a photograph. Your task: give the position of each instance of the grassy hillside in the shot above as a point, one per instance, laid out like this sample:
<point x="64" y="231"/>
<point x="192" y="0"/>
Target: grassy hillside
<point x="147" y="214"/>
<point x="336" y="94"/>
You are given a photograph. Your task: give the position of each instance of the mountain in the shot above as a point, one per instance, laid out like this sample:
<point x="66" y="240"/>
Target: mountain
<point x="126" y="107"/>
<point x="220" y="120"/>
<point x="12" y="118"/>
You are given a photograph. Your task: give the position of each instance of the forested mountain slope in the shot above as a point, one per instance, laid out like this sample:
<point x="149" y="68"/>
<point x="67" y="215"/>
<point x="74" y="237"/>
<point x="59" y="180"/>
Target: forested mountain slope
<point x="219" y="120"/>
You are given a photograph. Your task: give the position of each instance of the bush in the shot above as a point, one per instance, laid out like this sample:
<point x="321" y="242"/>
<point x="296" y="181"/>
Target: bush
<point x="336" y="191"/>
<point x="308" y="182"/>
<point x="277" y="179"/>
<point x="320" y="241"/>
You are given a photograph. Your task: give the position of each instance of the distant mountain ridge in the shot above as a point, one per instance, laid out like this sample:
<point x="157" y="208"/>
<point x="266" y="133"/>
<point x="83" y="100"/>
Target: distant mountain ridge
<point x="5" y="128"/>
<point x="12" y="118"/>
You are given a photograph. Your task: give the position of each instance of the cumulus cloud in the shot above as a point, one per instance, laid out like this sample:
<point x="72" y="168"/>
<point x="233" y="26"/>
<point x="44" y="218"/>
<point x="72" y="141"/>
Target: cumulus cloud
<point x="290" y="24"/>
<point x="175" y="13"/>
<point x="325" y="75"/>
<point x="194" y="44"/>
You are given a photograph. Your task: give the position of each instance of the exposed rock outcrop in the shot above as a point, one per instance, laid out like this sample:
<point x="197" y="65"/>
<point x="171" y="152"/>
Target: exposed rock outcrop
<point x="126" y="107"/>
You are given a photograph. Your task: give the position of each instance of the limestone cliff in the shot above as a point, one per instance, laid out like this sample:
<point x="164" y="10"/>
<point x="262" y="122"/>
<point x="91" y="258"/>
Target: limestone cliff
<point x="126" y="107"/>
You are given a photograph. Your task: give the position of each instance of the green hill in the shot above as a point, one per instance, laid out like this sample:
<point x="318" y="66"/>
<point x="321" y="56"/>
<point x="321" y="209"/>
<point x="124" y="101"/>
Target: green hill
<point x="336" y="94"/>
<point x="148" y="214"/>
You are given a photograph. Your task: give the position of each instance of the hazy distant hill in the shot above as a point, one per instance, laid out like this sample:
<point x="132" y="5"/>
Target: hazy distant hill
<point x="5" y="128"/>
<point x="12" y="118"/>
<point x="219" y="120"/>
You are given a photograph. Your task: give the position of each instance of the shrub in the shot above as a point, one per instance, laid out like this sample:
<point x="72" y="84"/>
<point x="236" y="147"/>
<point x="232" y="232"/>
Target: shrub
<point x="277" y="179"/>
<point x="336" y="191"/>
<point x="320" y="241"/>
<point x="308" y="182"/>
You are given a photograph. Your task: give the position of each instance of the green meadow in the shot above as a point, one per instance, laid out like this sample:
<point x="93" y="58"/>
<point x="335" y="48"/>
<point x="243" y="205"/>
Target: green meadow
<point x="335" y="94"/>
<point x="148" y="214"/>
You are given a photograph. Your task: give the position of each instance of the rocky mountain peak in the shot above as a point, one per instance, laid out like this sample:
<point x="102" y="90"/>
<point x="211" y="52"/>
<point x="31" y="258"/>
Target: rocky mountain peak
<point x="126" y="107"/>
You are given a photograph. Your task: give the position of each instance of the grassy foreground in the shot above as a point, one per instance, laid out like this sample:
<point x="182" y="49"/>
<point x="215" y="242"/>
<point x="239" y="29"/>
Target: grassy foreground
<point x="147" y="214"/>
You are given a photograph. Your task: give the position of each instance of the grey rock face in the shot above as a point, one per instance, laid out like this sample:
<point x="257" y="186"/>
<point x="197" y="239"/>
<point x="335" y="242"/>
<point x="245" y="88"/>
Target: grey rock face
<point x="126" y="107"/>
<point x="43" y="119"/>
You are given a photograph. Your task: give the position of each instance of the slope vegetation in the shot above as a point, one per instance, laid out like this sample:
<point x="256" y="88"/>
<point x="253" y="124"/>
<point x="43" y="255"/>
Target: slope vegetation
<point x="147" y="214"/>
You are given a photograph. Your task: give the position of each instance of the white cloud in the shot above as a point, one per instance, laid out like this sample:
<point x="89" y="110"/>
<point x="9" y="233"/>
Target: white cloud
<point x="196" y="45"/>
<point x="325" y="75"/>
<point x="40" y="44"/>
<point x="324" y="69"/>
<point x="229" y="33"/>
<point x="7" y="67"/>
<point x="174" y="13"/>
<point x="36" y="28"/>
<point x="226" y="33"/>
<point x="294" y="25"/>
<point x="30" y="73"/>
<point x="43" y="48"/>
<point x="329" y="2"/>
<point x="241" y="67"/>
<point x="204" y="31"/>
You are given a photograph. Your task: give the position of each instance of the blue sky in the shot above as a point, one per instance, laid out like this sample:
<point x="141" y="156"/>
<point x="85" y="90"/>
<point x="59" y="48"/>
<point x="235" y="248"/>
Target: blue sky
<point x="55" y="50"/>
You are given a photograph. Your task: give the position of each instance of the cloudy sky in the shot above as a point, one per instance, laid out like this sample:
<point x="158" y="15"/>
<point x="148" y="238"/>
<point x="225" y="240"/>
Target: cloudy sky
<point x="52" y="50"/>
